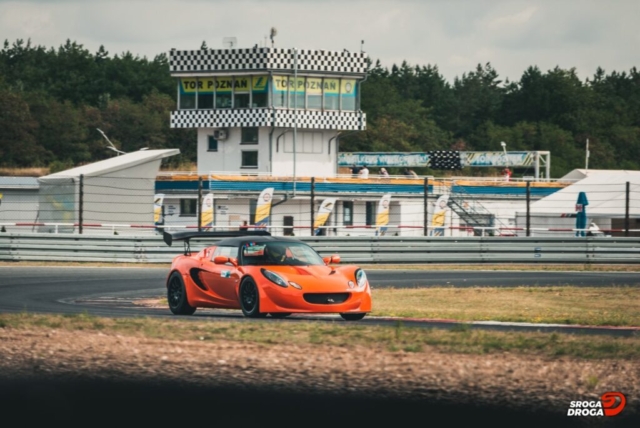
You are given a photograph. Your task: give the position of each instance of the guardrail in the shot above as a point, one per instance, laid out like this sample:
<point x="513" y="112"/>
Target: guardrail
<point x="361" y="250"/>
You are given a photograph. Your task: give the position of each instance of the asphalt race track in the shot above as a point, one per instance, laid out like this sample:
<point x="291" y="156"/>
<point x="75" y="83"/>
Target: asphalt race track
<point x="109" y="292"/>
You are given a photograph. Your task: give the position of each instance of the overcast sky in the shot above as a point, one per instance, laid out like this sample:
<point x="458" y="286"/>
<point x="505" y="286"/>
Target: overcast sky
<point x="455" y="35"/>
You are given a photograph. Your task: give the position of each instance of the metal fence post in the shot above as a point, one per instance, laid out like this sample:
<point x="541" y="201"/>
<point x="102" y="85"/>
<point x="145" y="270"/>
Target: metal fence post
<point x="199" y="204"/>
<point x="80" y="203"/>
<point x="425" y="221"/>
<point x="528" y="208"/>
<point x="626" y="212"/>
<point x="313" y="196"/>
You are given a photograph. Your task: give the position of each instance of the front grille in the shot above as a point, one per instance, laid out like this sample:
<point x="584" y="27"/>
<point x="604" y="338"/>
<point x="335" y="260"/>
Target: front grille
<point x="326" y="298"/>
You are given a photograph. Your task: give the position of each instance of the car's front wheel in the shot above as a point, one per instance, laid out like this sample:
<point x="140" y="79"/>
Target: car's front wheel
<point x="352" y="317"/>
<point x="177" y="296"/>
<point x="250" y="299"/>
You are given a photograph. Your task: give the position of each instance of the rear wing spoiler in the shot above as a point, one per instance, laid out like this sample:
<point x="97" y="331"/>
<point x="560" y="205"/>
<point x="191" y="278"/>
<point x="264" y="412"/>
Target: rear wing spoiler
<point x="168" y="238"/>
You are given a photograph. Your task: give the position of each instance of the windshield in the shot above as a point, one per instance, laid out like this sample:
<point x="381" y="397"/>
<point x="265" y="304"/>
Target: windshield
<point x="279" y="253"/>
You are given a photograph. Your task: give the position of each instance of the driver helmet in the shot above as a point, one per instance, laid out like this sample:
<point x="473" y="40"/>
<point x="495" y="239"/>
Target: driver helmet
<point x="276" y="251"/>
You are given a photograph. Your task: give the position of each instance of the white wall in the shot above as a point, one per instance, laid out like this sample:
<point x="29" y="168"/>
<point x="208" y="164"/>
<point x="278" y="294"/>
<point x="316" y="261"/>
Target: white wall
<point x="312" y="152"/>
<point x="18" y="206"/>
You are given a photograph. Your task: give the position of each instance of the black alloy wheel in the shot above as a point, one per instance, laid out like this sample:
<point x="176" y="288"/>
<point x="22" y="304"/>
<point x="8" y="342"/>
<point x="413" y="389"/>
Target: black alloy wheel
<point x="250" y="300"/>
<point x="177" y="296"/>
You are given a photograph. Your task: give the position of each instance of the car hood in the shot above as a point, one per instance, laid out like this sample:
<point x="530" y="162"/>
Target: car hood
<point x="314" y="276"/>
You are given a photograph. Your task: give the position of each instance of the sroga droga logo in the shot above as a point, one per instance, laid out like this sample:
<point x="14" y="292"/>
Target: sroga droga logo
<point x="610" y="404"/>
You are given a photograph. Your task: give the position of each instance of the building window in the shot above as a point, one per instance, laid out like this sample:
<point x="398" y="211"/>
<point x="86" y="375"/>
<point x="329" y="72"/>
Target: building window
<point x="297" y="93"/>
<point x="213" y="144"/>
<point x="280" y="90"/>
<point x="347" y="213"/>
<point x="224" y="92"/>
<point x="205" y="93"/>
<point x="348" y="94"/>
<point x="249" y="159"/>
<point x="241" y="93"/>
<point x="331" y="92"/>
<point x="188" y="207"/>
<point x="187" y="93"/>
<point x="249" y="136"/>
<point x="260" y="91"/>
<point x="314" y="93"/>
<point x="371" y="213"/>
<point x="287" y="222"/>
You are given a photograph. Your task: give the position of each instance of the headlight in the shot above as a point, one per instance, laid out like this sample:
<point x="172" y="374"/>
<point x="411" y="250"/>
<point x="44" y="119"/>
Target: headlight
<point x="361" y="278"/>
<point x="274" y="277"/>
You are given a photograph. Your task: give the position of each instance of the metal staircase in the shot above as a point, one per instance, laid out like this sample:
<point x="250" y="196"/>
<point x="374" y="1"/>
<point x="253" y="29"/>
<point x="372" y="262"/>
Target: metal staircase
<point x="474" y="214"/>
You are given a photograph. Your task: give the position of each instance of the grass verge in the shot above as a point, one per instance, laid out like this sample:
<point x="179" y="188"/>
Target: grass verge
<point x="393" y="338"/>
<point x="597" y="306"/>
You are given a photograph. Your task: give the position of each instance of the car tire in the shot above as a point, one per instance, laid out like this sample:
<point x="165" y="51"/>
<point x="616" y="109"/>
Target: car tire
<point x="352" y="317"/>
<point x="250" y="299"/>
<point x="280" y="314"/>
<point x="177" y="296"/>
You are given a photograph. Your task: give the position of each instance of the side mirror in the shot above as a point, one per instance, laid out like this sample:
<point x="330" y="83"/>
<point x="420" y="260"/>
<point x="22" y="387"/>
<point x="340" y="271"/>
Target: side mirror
<point x="331" y="259"/>
<point x="223" y="260"/>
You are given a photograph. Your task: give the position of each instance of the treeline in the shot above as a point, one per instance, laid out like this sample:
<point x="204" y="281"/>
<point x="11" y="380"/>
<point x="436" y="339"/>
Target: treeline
<point x="52" y="101"/>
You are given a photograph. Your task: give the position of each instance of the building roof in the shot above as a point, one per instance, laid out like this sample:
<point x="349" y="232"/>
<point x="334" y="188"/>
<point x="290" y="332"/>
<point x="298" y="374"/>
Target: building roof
<point x="116" y="163"/>
<point x="580" y="173"/>
<point x="19" y="183"/>
<point x="605" y="191"/>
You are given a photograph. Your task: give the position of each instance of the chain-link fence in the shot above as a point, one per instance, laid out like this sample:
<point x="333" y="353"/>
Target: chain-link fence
<point x="349" y="207"/>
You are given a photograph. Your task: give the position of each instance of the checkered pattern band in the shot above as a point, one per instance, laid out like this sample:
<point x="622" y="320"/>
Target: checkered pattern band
<point x="267" y="59"/>
<point x="338" y="120"/>
<point x="444" y="159"/>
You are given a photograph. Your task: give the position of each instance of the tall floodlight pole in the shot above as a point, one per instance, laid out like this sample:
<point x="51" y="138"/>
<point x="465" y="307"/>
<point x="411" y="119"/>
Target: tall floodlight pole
<point x="504" y="149"/>
<point x="586" y="156"/>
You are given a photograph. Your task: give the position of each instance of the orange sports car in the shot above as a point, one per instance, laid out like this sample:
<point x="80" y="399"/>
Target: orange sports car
<point x="263" y="274"/>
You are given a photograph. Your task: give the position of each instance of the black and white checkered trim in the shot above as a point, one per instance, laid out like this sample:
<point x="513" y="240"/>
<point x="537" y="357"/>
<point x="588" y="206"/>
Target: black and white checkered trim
<point x="444" y="159"/>
<point x="267" y="59"/>
<point x="337" y="120"/>
<point x="191" y="118"/>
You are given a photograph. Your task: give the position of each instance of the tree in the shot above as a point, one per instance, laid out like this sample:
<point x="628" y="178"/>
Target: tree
<point x="18" y="145"/>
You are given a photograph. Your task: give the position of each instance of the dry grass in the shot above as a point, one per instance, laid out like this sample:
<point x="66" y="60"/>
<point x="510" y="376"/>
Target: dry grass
<point x="395" y="338"/>
<point x="610" y="306"/>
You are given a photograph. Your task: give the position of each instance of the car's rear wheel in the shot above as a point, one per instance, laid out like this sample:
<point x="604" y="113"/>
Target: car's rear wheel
<point x="177" y="296"/>
<point x="250" y="299"/>
<point x="352" y="317"/>
<point x="280" y="314"/>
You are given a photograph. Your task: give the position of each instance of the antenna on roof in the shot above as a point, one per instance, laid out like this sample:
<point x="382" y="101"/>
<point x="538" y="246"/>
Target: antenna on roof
<point x="110" y="146"/>
<point x="229" y="42"/>
<point x="273" y="33"/>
